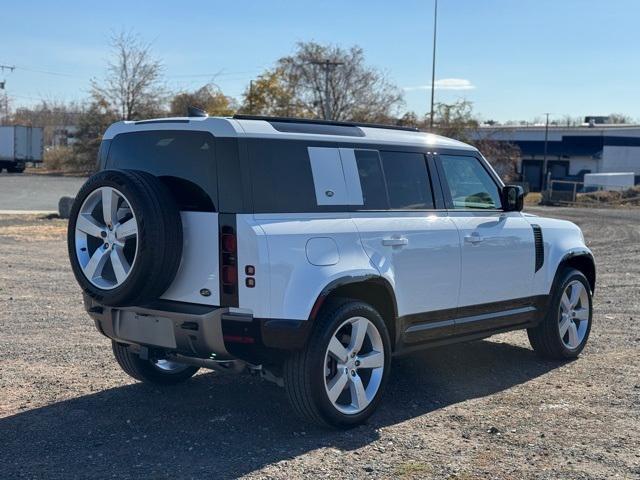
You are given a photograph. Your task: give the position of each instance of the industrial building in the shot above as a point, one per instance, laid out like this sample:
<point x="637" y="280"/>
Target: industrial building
<point x="571" y="151"/>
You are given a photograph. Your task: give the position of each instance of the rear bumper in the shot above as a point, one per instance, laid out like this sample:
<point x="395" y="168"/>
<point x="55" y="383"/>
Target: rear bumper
<point x="198" y="330"/>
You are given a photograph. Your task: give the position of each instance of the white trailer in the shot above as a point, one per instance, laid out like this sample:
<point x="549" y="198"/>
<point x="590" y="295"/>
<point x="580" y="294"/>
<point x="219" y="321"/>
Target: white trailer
<point x="609" y="181"/>
<point x="18" y="145"/>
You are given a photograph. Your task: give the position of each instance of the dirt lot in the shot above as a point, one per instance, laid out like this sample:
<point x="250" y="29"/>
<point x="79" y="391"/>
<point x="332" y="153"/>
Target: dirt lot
<point x="489" y="409"/>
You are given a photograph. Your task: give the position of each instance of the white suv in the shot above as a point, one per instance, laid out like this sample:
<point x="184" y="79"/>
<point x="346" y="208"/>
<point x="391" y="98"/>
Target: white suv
<point x="313" y="252"/>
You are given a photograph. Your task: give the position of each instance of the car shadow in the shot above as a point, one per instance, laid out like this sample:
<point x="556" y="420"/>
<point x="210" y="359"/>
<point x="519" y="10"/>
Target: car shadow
<point x="224" y="426"/>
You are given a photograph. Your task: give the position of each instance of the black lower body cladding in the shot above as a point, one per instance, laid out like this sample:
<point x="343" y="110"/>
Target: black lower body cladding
<point x="150" y="249"/>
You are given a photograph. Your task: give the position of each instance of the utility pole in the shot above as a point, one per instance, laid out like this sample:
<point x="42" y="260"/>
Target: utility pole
<point x="329" y="67"/>
<point x="544" y="158"/>
<point x="3" y="85"/>
<point x="433" y="62"/>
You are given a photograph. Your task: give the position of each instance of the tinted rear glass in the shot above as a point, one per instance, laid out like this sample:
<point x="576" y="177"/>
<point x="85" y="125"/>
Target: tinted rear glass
<point x="374" y="192"/>
<point x="281" y="177"/>
<point x="407" y="181"/>
<point x="187" y="155"/>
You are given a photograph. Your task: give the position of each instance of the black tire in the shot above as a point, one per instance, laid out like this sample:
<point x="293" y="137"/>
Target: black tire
<point x="159" y="240"/>
<point x="304" y="370"/>
<point x="146" y="370"/>
<point x="545" y="338"/>
<point x="15" y="169"/>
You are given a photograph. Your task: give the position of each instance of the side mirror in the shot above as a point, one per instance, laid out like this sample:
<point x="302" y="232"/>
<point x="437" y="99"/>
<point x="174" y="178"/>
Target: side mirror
<point x="512" y="198"/>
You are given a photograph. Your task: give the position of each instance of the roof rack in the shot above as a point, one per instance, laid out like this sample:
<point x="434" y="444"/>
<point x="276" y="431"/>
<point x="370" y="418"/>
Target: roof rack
<point x="322" y="122"/>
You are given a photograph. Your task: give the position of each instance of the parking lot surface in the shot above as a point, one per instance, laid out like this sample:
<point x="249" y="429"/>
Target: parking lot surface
<point x="489" y="409"/>
<point x="20" y="192"/>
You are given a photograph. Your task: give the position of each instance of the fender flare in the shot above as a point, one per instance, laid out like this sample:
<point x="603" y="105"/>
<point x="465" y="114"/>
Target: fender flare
<point x="349" y="280"/>
<point x="567" y="257"/>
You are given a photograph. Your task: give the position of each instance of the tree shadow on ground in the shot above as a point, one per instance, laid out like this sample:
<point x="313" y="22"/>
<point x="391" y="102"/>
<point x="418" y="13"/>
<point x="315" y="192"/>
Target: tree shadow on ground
<point x="224" y="426"/>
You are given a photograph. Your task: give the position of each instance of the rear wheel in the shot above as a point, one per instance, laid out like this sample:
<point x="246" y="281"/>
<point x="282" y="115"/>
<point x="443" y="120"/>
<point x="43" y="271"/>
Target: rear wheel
<point x="564" y="331"/>
<point x="339" y="377"/>
<point x="162" y="372"/>
<point x="15" y="169"/>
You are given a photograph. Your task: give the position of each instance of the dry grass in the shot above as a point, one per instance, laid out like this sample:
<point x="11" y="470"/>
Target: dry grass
<point x="32" y="228"/>
<point x="533" y="198"/>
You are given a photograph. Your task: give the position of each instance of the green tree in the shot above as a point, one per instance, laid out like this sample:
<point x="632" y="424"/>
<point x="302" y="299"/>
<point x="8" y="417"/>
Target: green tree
<point x="92" y="123"/>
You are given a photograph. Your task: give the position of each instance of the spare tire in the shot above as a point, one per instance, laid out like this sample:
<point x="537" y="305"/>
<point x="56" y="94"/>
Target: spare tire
<point x="124" y="237"/>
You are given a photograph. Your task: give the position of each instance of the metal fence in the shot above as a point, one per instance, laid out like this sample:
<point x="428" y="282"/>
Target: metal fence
<point x="565" y="192"/>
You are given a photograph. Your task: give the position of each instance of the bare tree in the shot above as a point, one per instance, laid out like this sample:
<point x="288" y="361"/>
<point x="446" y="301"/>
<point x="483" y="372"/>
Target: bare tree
<point x="348" y="90"/>
<point x="619" y="118"/>
<point x="132" y="85"/>
<point x="55" y="116"/>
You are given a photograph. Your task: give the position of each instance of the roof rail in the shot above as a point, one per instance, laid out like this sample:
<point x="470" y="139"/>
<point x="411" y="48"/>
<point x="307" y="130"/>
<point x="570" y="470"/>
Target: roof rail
<point x="322" y="122"/>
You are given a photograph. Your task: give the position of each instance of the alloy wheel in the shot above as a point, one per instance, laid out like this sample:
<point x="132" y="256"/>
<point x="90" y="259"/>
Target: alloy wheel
<point x="574" y="313"/>
<point x="106" y="238"/>
<point x="354" y="365"/>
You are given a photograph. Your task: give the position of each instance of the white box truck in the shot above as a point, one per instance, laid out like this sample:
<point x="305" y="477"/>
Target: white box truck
<point x="18" y="145"/>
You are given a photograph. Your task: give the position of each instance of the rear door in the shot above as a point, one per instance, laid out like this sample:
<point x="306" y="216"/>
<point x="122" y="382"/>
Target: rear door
<point x="498" y="253"/>
<point x="185" y="161"/>
<point x="411" y="242"/>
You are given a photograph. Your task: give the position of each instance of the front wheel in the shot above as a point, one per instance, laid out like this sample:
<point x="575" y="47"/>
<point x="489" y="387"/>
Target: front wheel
<point x="564" y="331"/>
<point x="339" y="377"/>
<point x="160" y="372"/>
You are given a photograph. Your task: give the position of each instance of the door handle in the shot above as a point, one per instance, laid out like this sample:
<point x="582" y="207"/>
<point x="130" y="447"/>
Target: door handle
<point x="474" y="238"/>
<point x="394" y="241"/>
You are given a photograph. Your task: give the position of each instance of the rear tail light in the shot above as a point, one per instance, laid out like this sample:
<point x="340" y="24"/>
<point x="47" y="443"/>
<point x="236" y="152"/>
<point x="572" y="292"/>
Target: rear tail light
<point x="229" y="275"/>
<point x="229" y="243"/>
<point x="229" y="260"/>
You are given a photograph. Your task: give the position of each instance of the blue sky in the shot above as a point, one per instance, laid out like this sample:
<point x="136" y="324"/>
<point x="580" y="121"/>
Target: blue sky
<point x="513" y="59"/>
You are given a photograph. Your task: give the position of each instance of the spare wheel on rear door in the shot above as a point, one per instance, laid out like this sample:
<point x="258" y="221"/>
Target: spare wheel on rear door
<point x="124" y="237"/>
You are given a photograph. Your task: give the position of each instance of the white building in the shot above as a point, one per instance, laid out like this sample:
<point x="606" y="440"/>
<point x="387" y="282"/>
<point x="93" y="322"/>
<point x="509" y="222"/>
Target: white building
<point x="571" y="151"/>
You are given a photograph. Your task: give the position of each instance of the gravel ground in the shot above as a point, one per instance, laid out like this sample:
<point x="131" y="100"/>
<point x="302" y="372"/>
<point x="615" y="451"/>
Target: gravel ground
<point x="489" y="409"/>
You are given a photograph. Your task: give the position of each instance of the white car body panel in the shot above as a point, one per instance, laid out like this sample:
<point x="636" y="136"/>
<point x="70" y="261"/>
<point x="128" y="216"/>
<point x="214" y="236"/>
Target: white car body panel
<point x="425" y="271"/>
<point x="253" y="250"/>
<point x="498" y="256"/>
<point x="199" y="265"/>
<point x="229" y="127"/>
<point x="296" y="283"/>
<point x="561" y="238"/>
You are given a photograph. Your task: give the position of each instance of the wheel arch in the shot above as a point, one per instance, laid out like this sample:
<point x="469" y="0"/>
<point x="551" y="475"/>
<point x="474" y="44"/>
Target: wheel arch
<point x="372" y="289"/>
<point x="582" y="261"/>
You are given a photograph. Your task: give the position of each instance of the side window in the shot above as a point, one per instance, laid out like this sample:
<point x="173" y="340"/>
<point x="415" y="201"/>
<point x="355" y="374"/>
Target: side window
<point x="374" y="192"/>
<point x="469" y="183"/>
<point x="407" y="180"/>
<point x="281" y="177"/>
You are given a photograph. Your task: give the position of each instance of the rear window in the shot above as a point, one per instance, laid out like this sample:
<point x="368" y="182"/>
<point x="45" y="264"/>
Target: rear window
<point x="187" y="155"/>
